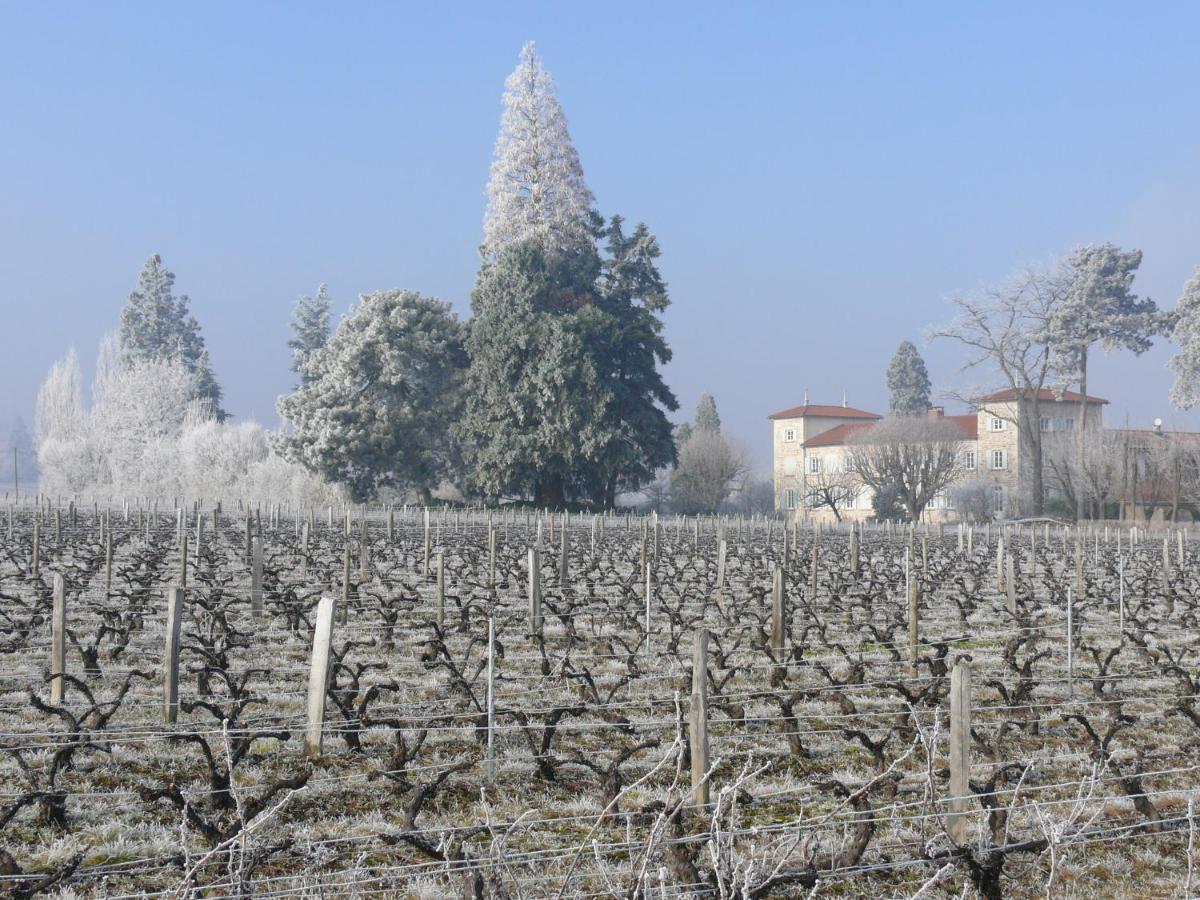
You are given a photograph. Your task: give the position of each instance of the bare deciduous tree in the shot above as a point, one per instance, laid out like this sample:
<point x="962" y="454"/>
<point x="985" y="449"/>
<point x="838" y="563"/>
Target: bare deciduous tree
<point x="710" y="466"/>
<point x="1004" y="331"/>
<point x="833" y="487"/>
<point x="918" y="457"/>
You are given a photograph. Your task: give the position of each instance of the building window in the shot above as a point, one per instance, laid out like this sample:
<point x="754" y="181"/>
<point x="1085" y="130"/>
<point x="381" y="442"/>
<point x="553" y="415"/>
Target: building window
<point x="789" y="435"/>
<point x="1045" y="423"/>
<point x="789" y="466"/>
<point x="789" y="499"/>
<point x="1067" y="424"/>
<point x="814" y="465"/>
<point x="848" y="464"/>
<point x="999" y="459"/>
<point x="997" y="424"/>
<point x="998" y="498"/>
<point x="968" y="459"/>
<point x="850" y="500"/>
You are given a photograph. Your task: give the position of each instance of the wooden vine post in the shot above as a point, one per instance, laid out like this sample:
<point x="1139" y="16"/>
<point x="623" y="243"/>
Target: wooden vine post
<point x="58" y="641"/>
<point x="171" y="655"/>
<point x="318" y="677"/>
<point x="958" y="821"/>
<point x="699" y="719"/>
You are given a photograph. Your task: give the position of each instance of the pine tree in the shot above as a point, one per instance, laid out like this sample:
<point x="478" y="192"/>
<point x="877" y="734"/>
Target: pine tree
<point x="378" y="407"/>
<point x="1185" y="392"/>
<point x="310" y="330"/>
<point x="706" y="414"/>
<point x="536" y="190"/>
<point x="156" y="325"/>
<point x="908" y="381"/>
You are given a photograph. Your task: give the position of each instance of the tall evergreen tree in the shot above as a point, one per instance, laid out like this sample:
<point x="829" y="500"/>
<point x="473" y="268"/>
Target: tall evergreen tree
<point x="310" y="332"/>
<point x="156" y="325"/>
<point x="535" y="402"/>
<point x="536" y="190"/>
<point x="706" y="414"/>
<point x="908" y="381"/>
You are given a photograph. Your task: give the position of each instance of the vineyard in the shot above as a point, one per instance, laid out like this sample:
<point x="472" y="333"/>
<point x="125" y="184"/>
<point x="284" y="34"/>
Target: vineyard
<point x="400" y="702"/>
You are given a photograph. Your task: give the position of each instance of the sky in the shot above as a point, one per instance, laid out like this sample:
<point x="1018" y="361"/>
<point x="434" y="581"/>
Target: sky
<point x="822" y="179"/>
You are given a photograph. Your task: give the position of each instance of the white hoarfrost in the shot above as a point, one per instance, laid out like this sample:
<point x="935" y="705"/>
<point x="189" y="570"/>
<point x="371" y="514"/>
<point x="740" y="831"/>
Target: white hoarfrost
<point x="146" y="435"/>
<point x="536" y="189"/>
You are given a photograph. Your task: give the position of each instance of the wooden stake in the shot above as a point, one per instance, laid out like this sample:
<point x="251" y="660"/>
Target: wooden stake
<point x="171" y="655"/>
<point x="58" y="641"/>
<point x="318" y="677"/>
<point x="957" y="821"/>
<point x="535" y="591"/>
<point x="699" y="718"/>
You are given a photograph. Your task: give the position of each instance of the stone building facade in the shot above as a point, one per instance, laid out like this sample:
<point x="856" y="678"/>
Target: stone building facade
<point x="812" y="441"/>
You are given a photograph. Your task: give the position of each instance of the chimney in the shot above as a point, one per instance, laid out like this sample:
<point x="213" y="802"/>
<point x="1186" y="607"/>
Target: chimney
<point x="844" y="403"/>
<point x="936" y="412"/>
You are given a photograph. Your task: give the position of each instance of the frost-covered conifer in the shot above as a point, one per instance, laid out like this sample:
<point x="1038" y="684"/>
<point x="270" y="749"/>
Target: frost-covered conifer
<point x="156" y="325"/>
<point x="382" y="396"/>
<point x="908" y="381"/>
<point x="536" y="190"/>
<point x="310" y="331"/>
<point x="706" y="414"/>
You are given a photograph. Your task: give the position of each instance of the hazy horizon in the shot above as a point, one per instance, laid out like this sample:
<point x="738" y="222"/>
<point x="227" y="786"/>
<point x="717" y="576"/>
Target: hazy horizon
<point x="819" y="182"/>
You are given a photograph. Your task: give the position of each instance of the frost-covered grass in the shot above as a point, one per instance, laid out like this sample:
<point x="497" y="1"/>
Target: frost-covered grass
<point x="829" y="765"/>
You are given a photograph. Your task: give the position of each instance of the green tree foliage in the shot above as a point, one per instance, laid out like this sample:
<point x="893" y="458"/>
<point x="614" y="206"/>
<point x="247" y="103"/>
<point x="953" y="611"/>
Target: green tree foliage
<point x="377" y="409"/>
<point x="908" y="381"/>
<point x="157" y="326"/>
<point x="310" y="331"/>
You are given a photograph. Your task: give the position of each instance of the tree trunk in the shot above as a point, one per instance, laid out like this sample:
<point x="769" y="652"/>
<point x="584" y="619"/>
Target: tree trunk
<point x="549" y="492"/>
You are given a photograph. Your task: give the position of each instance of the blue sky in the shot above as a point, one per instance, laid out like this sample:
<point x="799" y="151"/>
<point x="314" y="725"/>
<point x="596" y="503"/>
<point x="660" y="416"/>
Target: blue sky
<point x="821" y="178"/>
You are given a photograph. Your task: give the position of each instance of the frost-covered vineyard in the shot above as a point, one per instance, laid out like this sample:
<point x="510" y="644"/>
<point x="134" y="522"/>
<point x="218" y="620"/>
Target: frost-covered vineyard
<point x="830" y="766"/>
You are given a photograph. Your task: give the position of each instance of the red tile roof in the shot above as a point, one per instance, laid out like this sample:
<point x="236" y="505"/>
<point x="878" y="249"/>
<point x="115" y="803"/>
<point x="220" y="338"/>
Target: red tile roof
<point x="1044" y="395"/>
<point x="967" y="425"/>
<point x="839" y="434"/>
<point x="825" y="411"/>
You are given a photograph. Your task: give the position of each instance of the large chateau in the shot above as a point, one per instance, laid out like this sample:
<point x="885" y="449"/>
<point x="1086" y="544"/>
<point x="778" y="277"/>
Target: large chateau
<point x="812" y="443"/>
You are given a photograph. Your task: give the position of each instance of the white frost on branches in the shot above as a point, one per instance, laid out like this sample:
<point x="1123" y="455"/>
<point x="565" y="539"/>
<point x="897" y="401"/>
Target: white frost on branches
<point x="147" y="436"/>
<point x="536" y="190"/>
<point x="1186" y="363"/>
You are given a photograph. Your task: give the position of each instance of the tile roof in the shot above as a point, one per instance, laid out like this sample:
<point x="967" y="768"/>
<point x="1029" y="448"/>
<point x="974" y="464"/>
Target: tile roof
<point x="1044" y="395"/>
<point x="828" y="411"/>
<point x="968" y="427"/>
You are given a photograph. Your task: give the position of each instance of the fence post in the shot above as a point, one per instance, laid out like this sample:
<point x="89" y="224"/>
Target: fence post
<point x="441" y="588"/>
<point x="913" y="631"/>
<point x="108" y="551"/>
<point x="491" y="702"/>
<point x="1070" y="643"/>
<point x="960" y="751"/>
<point x="171" y="655"/>
<point x="304" y="550"/>
<point x="562" y="557"/>
<point x="256" y="577"/>
<point x="318" y="677"/>
<point x="491" y="555"/>
<point x="1010" y="584"/>
<point x="344" y="612"/>
<point x="649" y="595"/>
<point x="58" y="641"/>
<point x="777" y="615"/>
<point x="721" y="556"/>
<point x="535" y="591"/>
<point x="813" y="577"/>
<point x="699" y="718"/>
<point x="853" y="551"/>
<point x="183" y="558"/>
<point x="37" y="547"/>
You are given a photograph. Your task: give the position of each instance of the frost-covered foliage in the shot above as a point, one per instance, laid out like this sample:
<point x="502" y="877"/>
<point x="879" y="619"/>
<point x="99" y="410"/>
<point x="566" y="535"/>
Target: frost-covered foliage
<point x="147" y="435"/>
<point x="156" y="325"/>
<point x="536" y="190"/>
<point x="310" y="331"/>
<point x="1186" y="363"/>
<point x="707" y="418"/>
<point x="380" y="398"/>
<point x="908" y="381"/>
<point x="64" y="446"/>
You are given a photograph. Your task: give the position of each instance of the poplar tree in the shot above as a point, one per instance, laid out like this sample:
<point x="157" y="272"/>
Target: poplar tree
<point x="908" y="381"/>
<point x="706" y="414"/>
<point x="157" y="326"/>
